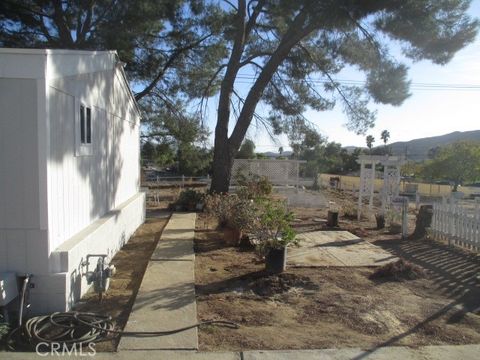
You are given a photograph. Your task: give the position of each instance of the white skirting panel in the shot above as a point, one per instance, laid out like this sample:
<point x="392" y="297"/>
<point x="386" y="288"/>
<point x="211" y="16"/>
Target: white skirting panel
<point x="66" y="283"/>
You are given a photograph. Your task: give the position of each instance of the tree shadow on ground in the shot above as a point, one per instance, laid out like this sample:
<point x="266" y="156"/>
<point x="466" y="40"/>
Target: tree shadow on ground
<point x="453" y="271"/>
<point x="438" y="314"/>
<point x="166" y="298"/>
<point x="229" y="284"/>
<point x="212" y="240"/>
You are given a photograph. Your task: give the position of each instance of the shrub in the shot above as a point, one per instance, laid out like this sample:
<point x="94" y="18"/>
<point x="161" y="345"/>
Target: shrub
<point x="190" y="196"/>
<point x="272" y="229"/>
<point x="221" y="206"/>
<point x="393" y="216"/>
<point x="243" y="214"/>
<point x="253" y="186"/>
<point x="350" y="212"/>
<point x="399" y="270"/>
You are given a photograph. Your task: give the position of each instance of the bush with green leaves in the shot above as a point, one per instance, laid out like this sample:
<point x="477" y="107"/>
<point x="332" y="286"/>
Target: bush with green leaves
<point x="243" y="214"/>
<point x="272" y="229"/>
<point x="253" y="186"/>
<point x="190" y="196"/>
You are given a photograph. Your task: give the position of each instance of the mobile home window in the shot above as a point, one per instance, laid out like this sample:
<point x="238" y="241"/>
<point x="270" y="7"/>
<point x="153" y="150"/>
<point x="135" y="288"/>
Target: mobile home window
<point x="85" y="125"/>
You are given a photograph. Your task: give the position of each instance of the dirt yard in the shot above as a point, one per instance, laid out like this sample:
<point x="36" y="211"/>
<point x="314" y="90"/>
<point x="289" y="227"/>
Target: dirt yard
<point x="307" y="308"/>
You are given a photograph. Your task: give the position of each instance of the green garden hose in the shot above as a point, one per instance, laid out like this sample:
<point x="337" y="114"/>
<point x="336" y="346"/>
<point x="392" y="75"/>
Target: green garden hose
<point x="82" y="328"/>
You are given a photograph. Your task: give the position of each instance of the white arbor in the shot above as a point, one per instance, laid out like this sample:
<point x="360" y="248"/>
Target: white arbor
<point x="391" y="179"/>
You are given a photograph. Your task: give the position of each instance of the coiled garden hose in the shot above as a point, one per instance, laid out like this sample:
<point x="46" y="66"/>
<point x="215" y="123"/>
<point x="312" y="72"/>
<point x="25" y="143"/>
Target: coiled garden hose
<point x="83" y="328"/>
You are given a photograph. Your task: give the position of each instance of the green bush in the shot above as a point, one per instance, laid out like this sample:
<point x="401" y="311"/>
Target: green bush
<point x="243" y="214"/>
<point x="272" y="230"/>
<point x="253" y="186"/>
<point x="190" y="196"/>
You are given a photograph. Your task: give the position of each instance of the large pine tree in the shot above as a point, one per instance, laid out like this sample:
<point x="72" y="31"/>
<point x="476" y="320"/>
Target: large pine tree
<point x="284" y="43"/>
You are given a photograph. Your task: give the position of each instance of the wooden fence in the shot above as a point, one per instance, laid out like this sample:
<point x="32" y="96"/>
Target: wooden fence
<point x="424" y="189"/>
<point x="457" y="224"/>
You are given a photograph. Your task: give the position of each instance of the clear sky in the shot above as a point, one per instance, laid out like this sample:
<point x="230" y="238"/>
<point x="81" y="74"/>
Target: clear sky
<point x="428" y="112"/>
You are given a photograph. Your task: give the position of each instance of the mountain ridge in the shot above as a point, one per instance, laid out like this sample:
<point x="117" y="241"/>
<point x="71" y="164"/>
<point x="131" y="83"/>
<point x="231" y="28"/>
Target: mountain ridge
<point x="417" y="149"/>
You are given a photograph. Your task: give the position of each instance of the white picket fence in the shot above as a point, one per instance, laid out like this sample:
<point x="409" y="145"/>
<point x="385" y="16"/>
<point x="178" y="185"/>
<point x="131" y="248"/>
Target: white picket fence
<point x="457" y="224"/>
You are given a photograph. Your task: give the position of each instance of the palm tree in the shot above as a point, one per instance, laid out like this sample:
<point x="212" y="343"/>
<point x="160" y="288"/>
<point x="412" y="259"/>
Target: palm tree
<point x="385" y="136"/>
<point x="370" y="141"/>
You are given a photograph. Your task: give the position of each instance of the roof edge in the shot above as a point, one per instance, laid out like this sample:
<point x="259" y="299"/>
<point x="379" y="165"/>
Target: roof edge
<point x="127" y="83"/>
<point x="55" y="51"/>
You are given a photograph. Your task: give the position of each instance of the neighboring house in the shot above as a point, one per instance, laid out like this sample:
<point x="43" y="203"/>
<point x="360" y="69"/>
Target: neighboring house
<point x="69" y="167"/>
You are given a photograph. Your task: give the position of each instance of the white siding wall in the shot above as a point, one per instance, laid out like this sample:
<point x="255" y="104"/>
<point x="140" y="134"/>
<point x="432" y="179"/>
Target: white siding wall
<point x="23" y="246"/>
<point x="125" y="149"/>
<point x="83" y="188"/>
<point x="18" y="154"/>
<point x="42" y="178"/>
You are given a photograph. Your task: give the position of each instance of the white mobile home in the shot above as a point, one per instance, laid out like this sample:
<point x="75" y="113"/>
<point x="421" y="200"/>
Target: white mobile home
<point x="69" y="167"/>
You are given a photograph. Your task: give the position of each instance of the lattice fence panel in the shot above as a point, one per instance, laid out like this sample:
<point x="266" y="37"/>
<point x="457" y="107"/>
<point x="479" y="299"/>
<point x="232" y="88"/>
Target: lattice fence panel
<point x="278" y="172"/>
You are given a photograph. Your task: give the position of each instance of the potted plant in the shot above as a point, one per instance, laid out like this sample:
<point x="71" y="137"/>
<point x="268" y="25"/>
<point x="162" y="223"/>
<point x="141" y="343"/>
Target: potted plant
<point x="273" y="233"/>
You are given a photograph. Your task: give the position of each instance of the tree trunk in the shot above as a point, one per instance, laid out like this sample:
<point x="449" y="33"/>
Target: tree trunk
<point x="226" y="148"/>
<point x="222" y="167"/>
<point x="424" y="221"/>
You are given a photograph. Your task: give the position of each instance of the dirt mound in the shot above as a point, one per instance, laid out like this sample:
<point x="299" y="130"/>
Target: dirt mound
<point x="278" y="284"/>
<point x="398" y="271"/>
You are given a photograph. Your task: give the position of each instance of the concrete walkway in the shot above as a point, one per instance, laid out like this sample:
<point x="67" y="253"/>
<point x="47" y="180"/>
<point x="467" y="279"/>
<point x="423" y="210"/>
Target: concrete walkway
<point x="166" y="298"/>
<point x="447" y="352"/>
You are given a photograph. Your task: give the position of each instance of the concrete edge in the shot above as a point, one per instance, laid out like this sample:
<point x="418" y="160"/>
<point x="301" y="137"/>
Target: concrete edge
<point x="430" y="352"/>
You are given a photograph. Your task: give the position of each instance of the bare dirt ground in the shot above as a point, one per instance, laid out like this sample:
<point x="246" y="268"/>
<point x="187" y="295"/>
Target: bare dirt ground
<point x="306" y="308"/>
<point x="130" y="262"/>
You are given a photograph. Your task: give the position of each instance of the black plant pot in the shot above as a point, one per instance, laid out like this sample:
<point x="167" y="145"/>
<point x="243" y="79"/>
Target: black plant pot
<point x="276" y="260"/>
<point x="380" y="221"/>
<point x="332" y="219"/>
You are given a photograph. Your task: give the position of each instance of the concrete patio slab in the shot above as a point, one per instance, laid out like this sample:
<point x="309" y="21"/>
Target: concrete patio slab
<point x="166" y="298"/>
<point x="336" y="248"/>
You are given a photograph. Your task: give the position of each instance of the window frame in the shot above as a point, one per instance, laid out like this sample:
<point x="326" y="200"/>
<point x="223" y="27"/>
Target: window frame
<point x="84" y="134"/>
